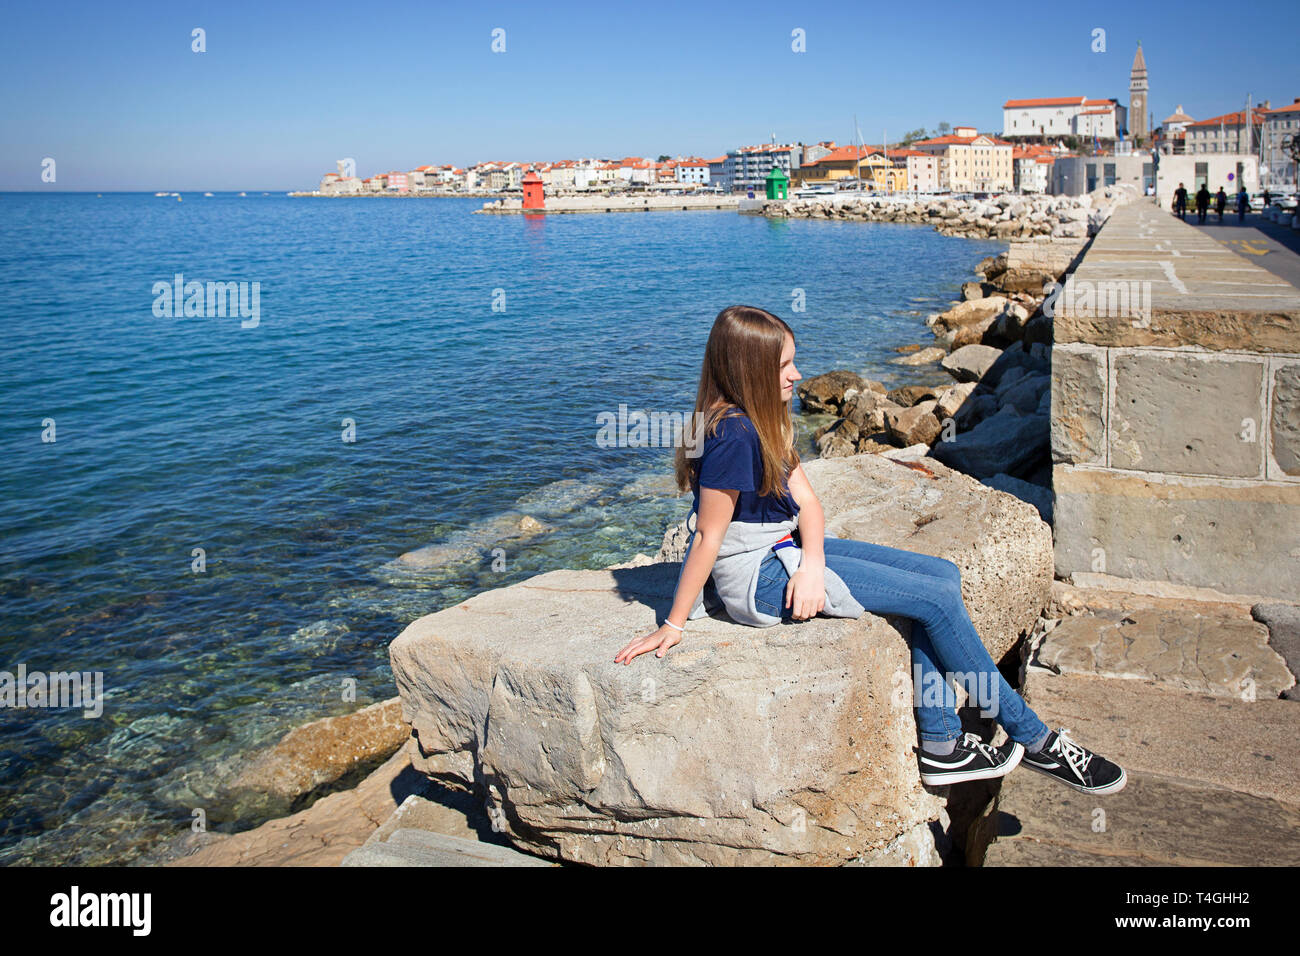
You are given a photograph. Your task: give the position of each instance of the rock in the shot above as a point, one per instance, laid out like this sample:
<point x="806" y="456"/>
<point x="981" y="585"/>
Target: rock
<point x="1036" y="495"/>
<point x="915" y="425"/>
<point x="970" y="362"/>
<point x="866" y="409"/>
<point x="875" y="444"/>
<point x="840" y="439"/>
<point x="321" y="835"/>
<point x="741" y="745"/>
<point x="977" y="290"/>
<point x="410" y="846"/>
<point x="1004" y="442"/>
<point x="969" y="312"/>
<point x="1038" y="329"/>
<point x="908" y="348"/>
<point x="923" y="357"/>
<point x="981" y="404"/>
<point x="1283" y="623"/>
<point x="953" y="399"/>
<point x="1025" y="393"/>
<point x="825" y="393"/>
<point x="906" y="396"/>
<point x="992" y="266"/>
<point x="1010" y="323"/>
<point x="1070" y="229"/>
<point x="322" y="751"/>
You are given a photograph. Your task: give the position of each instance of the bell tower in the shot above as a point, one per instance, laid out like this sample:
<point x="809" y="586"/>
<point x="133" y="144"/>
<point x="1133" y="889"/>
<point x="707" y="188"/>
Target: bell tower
<point x="1137" y="98"/>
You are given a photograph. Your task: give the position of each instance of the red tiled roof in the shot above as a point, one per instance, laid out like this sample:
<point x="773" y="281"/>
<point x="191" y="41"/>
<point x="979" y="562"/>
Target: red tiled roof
<point x="1231" y="119"/>
<point x="1051" y="101"/>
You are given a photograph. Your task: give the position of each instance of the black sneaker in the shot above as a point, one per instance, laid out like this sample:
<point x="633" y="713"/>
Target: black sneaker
<point x="1076" y="766"/>
<point x="971" y="759"/>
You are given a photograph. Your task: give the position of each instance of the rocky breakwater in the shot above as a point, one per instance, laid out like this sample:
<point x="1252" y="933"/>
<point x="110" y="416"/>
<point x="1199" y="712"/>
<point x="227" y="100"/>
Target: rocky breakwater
<point x="1000" y="217"/>
<point x="782" y="745"/>
<point x="993" y="422"/>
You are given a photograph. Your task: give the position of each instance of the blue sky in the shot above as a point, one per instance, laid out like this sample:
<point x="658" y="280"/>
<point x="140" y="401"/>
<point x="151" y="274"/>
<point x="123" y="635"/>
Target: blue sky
<point x="113" y="92"/>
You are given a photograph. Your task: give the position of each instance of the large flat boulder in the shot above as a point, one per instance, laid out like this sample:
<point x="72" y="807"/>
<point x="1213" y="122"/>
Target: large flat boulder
<point x="783" y="745"/>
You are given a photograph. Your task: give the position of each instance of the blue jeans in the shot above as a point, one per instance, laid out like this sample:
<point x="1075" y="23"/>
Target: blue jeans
<point x="927" y="590"/>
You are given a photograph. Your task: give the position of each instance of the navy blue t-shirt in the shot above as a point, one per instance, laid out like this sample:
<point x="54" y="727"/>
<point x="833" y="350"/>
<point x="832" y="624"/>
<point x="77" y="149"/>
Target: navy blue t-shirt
<point x="732" y="459"/>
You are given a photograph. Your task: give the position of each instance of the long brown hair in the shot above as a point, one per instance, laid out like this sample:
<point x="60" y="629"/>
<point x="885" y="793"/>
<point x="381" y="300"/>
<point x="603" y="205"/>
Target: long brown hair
<point x="742" y="363"/>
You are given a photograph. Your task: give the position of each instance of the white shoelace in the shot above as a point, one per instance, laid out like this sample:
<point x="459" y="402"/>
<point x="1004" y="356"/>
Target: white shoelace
<point x="1075" y="756"/>
<point x="974" y="743"/>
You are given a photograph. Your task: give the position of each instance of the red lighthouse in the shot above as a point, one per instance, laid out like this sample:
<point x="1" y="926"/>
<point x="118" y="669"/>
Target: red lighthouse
<point x="532" y="183"/>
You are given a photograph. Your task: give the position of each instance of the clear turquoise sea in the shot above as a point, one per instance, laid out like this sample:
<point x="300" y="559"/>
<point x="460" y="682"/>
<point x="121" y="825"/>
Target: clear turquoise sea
<point x="177" y="433"/>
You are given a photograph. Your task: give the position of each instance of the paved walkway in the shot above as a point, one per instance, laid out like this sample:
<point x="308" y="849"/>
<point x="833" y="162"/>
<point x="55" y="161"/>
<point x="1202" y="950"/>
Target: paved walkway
<point x="1188" y="267"/>
<point x="1185" y="697"/>
<point x="1266" y="244"/>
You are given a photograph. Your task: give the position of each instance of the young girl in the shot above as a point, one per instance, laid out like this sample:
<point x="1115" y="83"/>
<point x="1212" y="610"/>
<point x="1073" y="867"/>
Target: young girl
<point x="758" y="548"/>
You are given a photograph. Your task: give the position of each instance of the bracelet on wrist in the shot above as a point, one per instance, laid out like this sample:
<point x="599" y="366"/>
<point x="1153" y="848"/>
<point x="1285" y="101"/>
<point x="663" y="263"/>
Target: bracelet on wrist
<point x="674" y="626"/>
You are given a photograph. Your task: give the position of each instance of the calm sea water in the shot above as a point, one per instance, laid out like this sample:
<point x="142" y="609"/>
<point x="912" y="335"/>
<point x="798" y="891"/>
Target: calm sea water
<point x="180" y="433"/>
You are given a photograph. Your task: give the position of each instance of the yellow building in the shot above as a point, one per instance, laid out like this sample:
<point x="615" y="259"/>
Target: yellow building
<point x="970" y="162"/>
<point x="867" y="163"/>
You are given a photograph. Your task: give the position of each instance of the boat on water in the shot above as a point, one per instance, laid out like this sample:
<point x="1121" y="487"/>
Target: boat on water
<point x="207" y="194"/>
<point x="243" y="194"/>
<point x="807" y="191"/>
<point x="162" y="194"/>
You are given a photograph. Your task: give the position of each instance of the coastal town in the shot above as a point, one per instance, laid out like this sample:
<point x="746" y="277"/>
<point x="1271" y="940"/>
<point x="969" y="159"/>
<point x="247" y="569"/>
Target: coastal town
<point x="350" y="579"/>
<point x="1065" y="146"/>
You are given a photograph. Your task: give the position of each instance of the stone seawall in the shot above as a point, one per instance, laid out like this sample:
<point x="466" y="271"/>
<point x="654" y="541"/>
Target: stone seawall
<point x="1176" y="413"/>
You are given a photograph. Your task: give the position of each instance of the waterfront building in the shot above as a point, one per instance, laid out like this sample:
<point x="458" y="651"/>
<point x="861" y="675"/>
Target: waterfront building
<point x="922" y="169"/>
<point x="1208" y="169"/>
<point x="1280" y="125"/>
<point x="1063" y="116"/>
<point x="840" y="163"/>
<point x="1229" y="133"/>
<point x="1076" y="175"/>
<point x="747" y="167"/>
<point x="1033" y="166"/>
<point x="693" y="170"/>
<point x="971" y="161"/>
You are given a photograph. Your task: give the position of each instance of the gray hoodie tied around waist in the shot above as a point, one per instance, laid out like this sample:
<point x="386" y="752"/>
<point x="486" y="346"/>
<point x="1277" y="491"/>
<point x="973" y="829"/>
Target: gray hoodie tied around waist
<point x="735" y="572"/>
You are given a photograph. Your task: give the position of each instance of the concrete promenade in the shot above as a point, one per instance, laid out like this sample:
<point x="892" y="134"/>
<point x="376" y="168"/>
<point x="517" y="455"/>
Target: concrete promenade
<point x="1176" y="414"/>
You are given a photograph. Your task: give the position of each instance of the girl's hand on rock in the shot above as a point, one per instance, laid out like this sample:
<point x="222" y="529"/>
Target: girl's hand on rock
<point x="662" y="639"/>
<point x="805" y="593"/>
